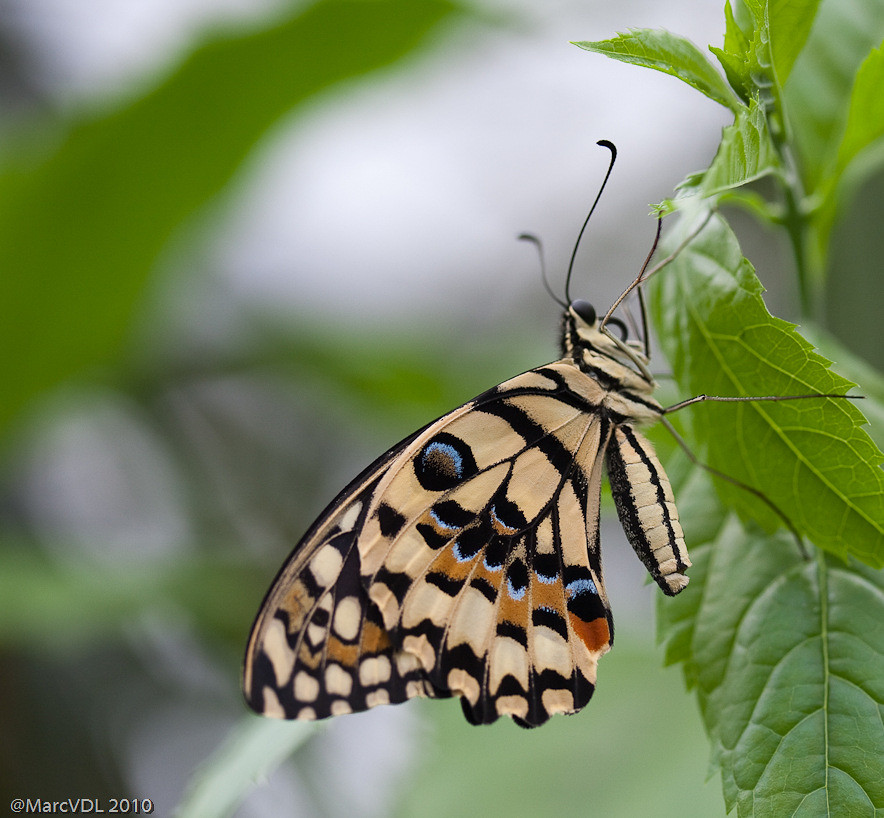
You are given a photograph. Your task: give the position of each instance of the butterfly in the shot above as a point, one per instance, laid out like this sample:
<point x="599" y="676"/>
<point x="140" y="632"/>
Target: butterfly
<point x="466" y="560"/>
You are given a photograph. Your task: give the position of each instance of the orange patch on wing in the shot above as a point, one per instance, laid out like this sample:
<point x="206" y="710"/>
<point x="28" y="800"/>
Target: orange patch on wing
<point x="337" y="651"/>
<point x="307" y="657"/>
<point x="548" y="596"/>
<point x="446" y="563"/>
<point x="594" y="634"/>
<point x="374" y="639"/>
<point x="296" y="603"/>
<point x="514" y="610"/>
<point x="493" y="578"/>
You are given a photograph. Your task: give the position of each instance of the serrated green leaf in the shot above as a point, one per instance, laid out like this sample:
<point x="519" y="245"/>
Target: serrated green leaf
<point x="857" y="370"/>
<point x="735" y="39"/>
<point x="744" y="155"/>
<point x="671" y="54"/>
<point x="733" y="56"/>
<point x="811" y="458"/>
<point x="759" y="54"/>
<point x="787" y="660"/>
<point x="760" y="66"/>
<point x="82" y="226"/>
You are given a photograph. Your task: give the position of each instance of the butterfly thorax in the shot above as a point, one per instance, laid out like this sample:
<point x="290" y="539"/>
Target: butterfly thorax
<point x="619" y="366"/>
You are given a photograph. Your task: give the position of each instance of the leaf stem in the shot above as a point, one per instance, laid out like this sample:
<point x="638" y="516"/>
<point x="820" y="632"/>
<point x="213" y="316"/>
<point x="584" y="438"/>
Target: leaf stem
<point x="795" y="220"/>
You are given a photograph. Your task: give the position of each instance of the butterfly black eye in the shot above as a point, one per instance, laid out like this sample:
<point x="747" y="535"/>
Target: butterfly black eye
<point x="585" y="310"/>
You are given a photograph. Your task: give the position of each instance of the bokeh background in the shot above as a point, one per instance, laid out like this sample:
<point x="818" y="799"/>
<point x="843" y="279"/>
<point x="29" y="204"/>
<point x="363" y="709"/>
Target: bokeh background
<point x="244" y="248"/>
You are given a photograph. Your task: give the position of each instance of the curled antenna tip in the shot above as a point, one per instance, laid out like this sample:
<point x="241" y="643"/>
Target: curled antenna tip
<point x="609" y="145"/>
<point x="528" y="237"/>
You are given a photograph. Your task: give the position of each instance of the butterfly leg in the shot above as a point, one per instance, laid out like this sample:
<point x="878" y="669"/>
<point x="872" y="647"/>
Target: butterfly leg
<point x="733" y="481"/>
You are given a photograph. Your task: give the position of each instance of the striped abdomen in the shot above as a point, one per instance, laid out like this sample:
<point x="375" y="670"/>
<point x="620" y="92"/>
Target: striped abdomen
<point x="646" y="508"/>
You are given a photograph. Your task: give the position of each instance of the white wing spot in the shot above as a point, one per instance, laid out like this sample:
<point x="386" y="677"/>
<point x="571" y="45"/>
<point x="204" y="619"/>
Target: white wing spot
<point x="374" y="671"/>
<point x="377" y="697"/>
<point x="326" y="565"/>
<point x="463" y="684"/>
<point x="272" y="707"/>
<point x="306" y="687"/>
<point x="277" y="650"/>
<point x="337" y="681"/>
<point x="316" y="634"/>
<point x="349" y="517"/>
<point x="348" y="615"/>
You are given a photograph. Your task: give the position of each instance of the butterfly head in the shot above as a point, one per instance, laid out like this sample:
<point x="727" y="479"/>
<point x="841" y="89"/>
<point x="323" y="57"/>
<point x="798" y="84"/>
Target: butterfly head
<point x="588" y="337"/>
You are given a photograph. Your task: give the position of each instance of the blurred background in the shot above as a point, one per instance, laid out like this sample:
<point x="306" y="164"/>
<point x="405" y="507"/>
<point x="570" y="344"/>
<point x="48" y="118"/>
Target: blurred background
<point x="246" y="247"/>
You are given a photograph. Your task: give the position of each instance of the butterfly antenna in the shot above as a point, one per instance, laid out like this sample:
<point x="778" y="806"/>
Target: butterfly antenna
<point x="645" y="274"/>
<point x="539" y="245"/>
<point x="635" y="282"/>
<point x="611" y="147"/>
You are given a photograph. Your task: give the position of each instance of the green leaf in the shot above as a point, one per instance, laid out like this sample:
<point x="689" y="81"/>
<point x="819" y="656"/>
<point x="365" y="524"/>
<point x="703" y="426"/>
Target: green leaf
<point x="818" y="94"/>
<point x="252" y="750"/>
<point x="733" y="56"/>
<point x="54" y="605"/>
<point x="857" y="370"/>
<point x="864" y="129"/>
<point x="82" y="226"/>
<point x="865" y="117"/>
<point x="787" y="661"/>
<point x="744" y="155"/>
<point x="790" y="24"/>
<point x="670" y="54"/>
<point x="811" y="457"/>
<point x="758" y="55"/>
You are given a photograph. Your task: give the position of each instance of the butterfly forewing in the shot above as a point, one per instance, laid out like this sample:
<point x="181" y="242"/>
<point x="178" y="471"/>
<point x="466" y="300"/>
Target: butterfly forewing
<point x="318" y="647"/>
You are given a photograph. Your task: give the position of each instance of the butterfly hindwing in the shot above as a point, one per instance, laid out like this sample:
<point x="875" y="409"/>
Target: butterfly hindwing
<point x="464" y="562"/>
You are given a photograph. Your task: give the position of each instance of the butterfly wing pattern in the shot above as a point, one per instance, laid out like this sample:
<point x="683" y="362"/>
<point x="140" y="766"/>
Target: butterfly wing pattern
<point x="466" y="560"/>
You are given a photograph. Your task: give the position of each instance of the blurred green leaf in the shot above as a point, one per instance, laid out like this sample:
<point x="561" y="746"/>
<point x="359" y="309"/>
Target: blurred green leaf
<point x="52" y="604"/>
<point x="670" y="54"/>
<point x="864" y="128"/>
<point x="252" y="750"/>
<point x="82" y="226"/>
<point x="818" y="93"/>
<point x="865" y="118"/>
<point x="790" y="24"/>
<point x="809" y="457"/>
